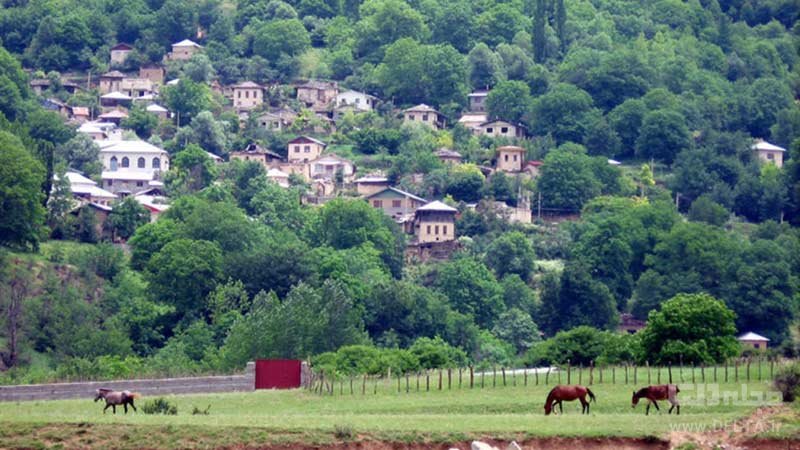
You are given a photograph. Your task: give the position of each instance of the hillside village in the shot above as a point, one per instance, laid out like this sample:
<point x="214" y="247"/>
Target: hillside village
<point x="191" y="185"/>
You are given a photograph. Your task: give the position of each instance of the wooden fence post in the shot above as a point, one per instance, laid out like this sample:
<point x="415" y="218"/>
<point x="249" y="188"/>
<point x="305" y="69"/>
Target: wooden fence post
<point x="726" y="370"/>
<point x="703" y="373"/>
<point x="449" y="378"/>
<point x="669" y="372"/>
<point x="759" y="368"/>
<point x="658" y="374"/>
<point x="647" y="364"/>
<point x="771" y="364"/>
<point x="351" y="385"/>
<point x="601" y="374"/>
<point x="364" y="385"/>
<point x="525" y="375"/>
<point x="398" y="384"/>
<point x="569" y="372"/>
<point x="626" y="374"/>
<point x="471" y="377"/>
<point x="694" y="366"/>
<point x="459" y="377"/>
<point x="613" y="375"/>
<point x="736" y="370"/>
<point x="580" y="374"/>
<point x="634" y="374"/>
<point x="417" y="381"/>
<point x="503" y="369"/>
<point x="494" y="376"/>
<point x="748" y="369"/>
<point x="483" y="378"/>
<point x="591" y="372"/>
<point x="408" y="384"/>
<point x="546" y="376"/>
<point x="427" y="380"/>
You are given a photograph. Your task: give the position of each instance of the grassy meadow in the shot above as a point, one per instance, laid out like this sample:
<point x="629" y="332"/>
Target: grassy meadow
<point x="414" y="416"/>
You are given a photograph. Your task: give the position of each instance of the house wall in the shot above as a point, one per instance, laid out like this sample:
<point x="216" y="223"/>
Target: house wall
<point x="477" y="104"/>
<point x="775" y="157"/>
<point x="132" y="186"/>
<point x="759" y="345"/>
<point x="329" y="171"/>
<point x="304" y="152"/>
<point x="108" y="85"/>
<point x="133" y="158"/>
<point x="500" y="129"/>
<point x="146" y="387"/>
<point x="316" y="97"/>
<point x="182" y="53"/>
<point x="394" y="204"/>
<point x="370" y="188"/>
<point x="358" y="100"/>
<point x="426" y="118"/>
<point x="435" y="227"/>
<point x="247" y="97"/>
<point x="510" y="161"/>
<point x="154" y="74"/>
<point x="119" y="56"/>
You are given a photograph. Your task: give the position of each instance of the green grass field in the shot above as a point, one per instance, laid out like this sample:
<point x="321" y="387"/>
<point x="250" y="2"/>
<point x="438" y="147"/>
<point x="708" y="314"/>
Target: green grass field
<point x="299" y="415"/>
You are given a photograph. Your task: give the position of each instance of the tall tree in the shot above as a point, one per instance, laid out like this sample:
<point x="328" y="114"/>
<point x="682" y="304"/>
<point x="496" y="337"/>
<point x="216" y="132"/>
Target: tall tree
<point x="22" y="212"/>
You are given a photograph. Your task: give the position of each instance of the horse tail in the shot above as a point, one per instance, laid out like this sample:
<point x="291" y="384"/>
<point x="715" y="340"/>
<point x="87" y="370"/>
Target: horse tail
<point x="135" y="395"/>
<point x="591" y="395"/>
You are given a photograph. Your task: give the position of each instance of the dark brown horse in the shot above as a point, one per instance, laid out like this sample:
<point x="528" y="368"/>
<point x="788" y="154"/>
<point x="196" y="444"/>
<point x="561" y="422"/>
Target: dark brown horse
<point x="114" y="398"/>
<point x="661" y="392"/>
<point x="568" y="393"/>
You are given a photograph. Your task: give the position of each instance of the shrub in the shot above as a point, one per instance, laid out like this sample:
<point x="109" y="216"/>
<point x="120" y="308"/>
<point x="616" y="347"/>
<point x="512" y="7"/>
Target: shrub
<point x="160" y="405"/>
<point x="343" y="431"/>
<point x="200" y="412"/>
<point x="787" y="381"/>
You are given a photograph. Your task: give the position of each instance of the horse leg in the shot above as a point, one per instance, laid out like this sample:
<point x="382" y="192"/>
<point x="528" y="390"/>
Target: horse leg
<point x="584" y="405"/>
<point x="655" y="403"/>
<point x="561" y="406"/>
<point x="647" y="410"/>
<point x="107" y="405"/>
<point x="133" y="406"/>
<point x="125" y="405"/>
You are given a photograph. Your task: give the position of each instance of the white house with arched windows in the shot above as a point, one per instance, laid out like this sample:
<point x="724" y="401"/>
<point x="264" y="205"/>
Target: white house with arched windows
<point x="131" y="166"/>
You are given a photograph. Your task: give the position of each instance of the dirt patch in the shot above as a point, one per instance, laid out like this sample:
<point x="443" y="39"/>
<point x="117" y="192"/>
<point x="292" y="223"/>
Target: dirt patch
<point x="555" y="443"/>
<point x="737" y="435"/>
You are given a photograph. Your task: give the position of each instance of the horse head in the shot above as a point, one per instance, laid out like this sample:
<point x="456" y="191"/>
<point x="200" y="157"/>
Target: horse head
<point x="635" y="398"/>
<point x="100" y="394"/>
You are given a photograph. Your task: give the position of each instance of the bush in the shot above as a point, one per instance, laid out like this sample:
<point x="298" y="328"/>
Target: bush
<point x="160" y="405"/>
<point x="343" y="431"/>
<point x="787" y="382"/>
<point x="200" y="412"/>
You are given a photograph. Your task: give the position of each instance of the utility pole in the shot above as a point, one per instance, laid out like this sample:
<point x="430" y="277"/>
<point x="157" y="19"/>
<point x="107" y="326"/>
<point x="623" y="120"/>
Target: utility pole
<point x="539" y="208"/>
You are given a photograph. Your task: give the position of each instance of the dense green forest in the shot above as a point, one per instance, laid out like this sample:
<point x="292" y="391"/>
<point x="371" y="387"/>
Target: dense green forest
<point x="239" y="268"/>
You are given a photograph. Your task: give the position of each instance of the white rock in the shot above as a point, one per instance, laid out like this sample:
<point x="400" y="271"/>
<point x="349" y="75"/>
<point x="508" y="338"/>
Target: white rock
<point x="513" y="446"/>
<point x="478" y="445"/>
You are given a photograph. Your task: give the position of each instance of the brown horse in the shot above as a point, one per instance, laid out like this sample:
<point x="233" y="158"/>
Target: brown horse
<point x="661" y="392"/>
<point x="568" y="393"/>
<point x="114" y="398"/>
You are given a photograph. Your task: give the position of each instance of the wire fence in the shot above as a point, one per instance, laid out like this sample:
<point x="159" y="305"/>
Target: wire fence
<point x="735" y="371"/>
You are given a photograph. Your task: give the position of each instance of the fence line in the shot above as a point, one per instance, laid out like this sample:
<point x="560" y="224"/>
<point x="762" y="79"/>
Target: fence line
<point x="749" y="370"/>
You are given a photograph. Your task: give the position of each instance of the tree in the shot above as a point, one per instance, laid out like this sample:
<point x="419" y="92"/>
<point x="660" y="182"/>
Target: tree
<point x="706" y="210"/>
<point x="16" y="286"/>
<point x="576" y="299"/>
<point x="192" y="170"/>
<point x="565" y="111"/>
<point x="199" y="68"/>
<point x="690" y="328"/>
<point x="485" y="67"/>
<point x="384" y="22"/>
<point x="466" y="183"/>
<point x="281" y="37"/>
<point x="517" y="328"/>
<point x="511" y="253"/>
<point x="539" y="31"/>
<point x="210" y="134"/>
<point x="126" y="216"/>
<point x="663" y="135"/>
<point x="183" y="273"/>
<point x="186" y="99"/>
<point x="140" y="121"/>
<point x="646" y="179"/>
<point x="22" y="211"/>
<point x="566" y="180"/>
<point x="471" y="288"/>
<point x="509" y="100"/>
<point x="149" y="239"/>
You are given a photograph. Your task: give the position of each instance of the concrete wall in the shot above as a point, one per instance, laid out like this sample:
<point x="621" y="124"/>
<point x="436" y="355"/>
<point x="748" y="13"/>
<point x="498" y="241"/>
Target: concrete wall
<point x="148" y="387"/>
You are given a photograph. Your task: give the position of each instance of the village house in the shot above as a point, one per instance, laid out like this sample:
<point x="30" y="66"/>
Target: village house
<point x="331" y="167"/>
<point x="137" y="87"/>
<point x="115" y="100"/>
<point x="80" y="114"/>
<point x="130" y="167"/>
<point x="448" y="156"/>
<point x="435" y="222"/>
<point x="397" y="204"/>
<point x="532" y="168"/>
<point x="477" y="101"/>
<point x="100" y="213"/>
<point x="119" y="53"/>
<point x="630" y="325"/>
<point x="753" y="340"/>
<point x="158" y="110"/>
<point x="183" y="50"/>
<point x="317" y="95"/>
<point x="425" y="115"/>
<point x="255" y="152"/>
<point x="473" y="121"/>
<point x="100" y="131"/>
<point x="86" y="190"/>
<point x="769" y="153"/>
<point x="39" y="85"/>
<point x="304" y="149"/>
<point x="56" y="105"/>
<point x="277" y="120"/>
<point x="124" y="182"/>
<point x="500" y="128"/>
<point x="114" y="116"/>
<point x="110" y="82"/>
<point x="510" y="159"/>
<point x="521" y="213"/>
<point x="153" y="201"/>
<point x="279" y="177"/>
<point x="153" y="72"/>
<point x="358" y="101"/>
<point x="370" y="184"/>
<point x="247" y="95"/>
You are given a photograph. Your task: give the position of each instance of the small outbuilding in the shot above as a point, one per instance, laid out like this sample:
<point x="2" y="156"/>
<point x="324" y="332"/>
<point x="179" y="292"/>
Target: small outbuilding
<point x="753" y="340"/>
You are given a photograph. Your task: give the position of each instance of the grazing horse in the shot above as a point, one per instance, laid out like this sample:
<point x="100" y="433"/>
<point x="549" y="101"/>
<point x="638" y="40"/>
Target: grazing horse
<point x="661" y="392"/>
<point x="114" y="398"/>
<point x="568" y="393"/>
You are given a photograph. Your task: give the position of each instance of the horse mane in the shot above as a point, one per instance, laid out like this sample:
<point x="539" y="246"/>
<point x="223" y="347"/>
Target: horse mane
<point x="642" y="392"/>
<point x="550" y="397"/>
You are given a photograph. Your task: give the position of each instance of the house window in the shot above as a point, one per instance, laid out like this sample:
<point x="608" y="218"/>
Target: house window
<point x="424" y="117"/>
<point x="109" y="182"/>
<point x="377" y="203"/>
<point x="358" y="101"/>
<point x="429" y="229"/>
<point x="113" y="163"/>
<point x="156" y="163"/>
<point x="396" y="203"/>
<point x="140" y="163"/>
<point x="307" y="149"/>
<point x="756" y="345"/>
<point x="239" y="94"/>
<point x="139" y="183"/>
<point x="515" y="158"/>
<point x="436" y="230"/>
<point x="770" y="157"/>
<point x="246" y="94"/>
<point x="444" y="229"/>
<point x="126" y="162"/>
<point x="504" y="130"/>
<point x="410" y="117"/>
<point x="506" y="157"/>
<point x="490" y="130"/>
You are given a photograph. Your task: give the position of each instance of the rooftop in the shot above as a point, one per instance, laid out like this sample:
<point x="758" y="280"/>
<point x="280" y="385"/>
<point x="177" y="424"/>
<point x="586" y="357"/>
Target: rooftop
<point x="125" y="174"/>
<point x="247" y="85"/>
<point x="422" y="107"/>
<point x="113" y="74"/>
<point x="115" y="96"/>
<point x="764" y="145"/>
<point x="130" y="147"/>
<point x="511" y="148"/>
<point x="446" y="152"/>
<point x="115" y="114"/>
<point x="437" y="206"/>
<point x="401" y="192"/>
<point x="750" y="336"/>
<point x="187" y="43"/>
<point x="302" y="138"/>
<point x="156" y="108"/>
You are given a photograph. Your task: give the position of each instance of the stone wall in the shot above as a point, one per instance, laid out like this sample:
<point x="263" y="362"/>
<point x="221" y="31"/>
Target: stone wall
<point x="146" y="387"/>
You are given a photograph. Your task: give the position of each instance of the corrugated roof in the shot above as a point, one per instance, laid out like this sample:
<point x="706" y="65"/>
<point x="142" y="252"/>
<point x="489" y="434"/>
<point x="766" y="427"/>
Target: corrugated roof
<point x="437" y="206"/>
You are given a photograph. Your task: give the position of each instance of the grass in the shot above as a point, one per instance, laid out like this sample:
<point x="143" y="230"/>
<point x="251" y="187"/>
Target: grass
<point x="300" y="415"/>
